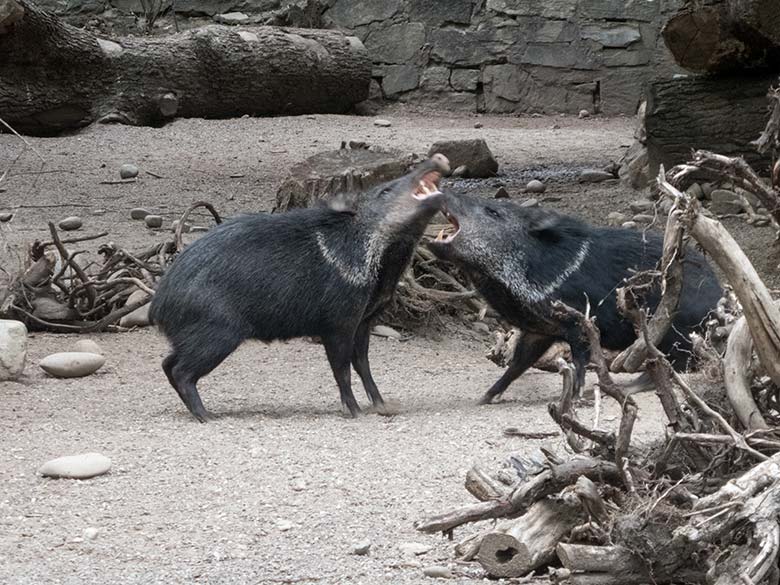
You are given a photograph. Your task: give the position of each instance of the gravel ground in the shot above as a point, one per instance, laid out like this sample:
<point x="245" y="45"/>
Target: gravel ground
<point x="280" y="487"/>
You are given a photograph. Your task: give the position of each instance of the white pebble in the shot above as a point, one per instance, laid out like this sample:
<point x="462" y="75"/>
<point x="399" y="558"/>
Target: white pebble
<point x="128" y="171"/>
<point x="81" y="466"/>
<point x="71" y="223"/>
<point x="382" y="123"/>
<point x="71" y="364"/>
<point x="13" y="348"/>
<point x="535" y="186"/>
<point x="90" y="533"/>
<point x="361" y="548"/>
<point x="385" y="331"/>
<point x="87" y="346"/>
<point x="413" y="548"/>
<point x="437" y="572"/>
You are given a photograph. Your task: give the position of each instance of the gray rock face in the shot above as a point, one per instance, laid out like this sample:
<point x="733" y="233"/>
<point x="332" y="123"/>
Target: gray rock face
<point x="398" y="43"/>
<point x="436" y="79"/>
<point x="437" y="12"/>
<point x="400" y="78"/>
<point x="349" y="14"/>
<point x="612" y="35"/>
<point x="473" y="154"/>
<point x="13" y="349"/>
<point x="464" y="79"/>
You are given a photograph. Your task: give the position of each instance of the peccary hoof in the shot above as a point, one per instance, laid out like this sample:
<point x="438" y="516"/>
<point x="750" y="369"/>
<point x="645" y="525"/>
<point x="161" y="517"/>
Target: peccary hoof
<point x="486" y="399"/>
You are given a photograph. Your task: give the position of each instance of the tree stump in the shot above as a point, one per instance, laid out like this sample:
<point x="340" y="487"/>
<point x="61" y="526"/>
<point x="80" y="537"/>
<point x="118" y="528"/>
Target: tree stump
<point x="55" y="77"/>
<point x="720" y="114"/>
<point x="339" y="171"/>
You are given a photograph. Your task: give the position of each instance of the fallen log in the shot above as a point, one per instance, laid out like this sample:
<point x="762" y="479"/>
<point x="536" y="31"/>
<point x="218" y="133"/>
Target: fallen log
<point x="55" y="77"/>
<point x="530" y="541"/>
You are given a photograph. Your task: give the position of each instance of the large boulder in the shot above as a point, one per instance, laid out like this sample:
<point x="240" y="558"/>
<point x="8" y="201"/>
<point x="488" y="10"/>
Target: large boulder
<point x="472" y="154"/>
<point x="13" y="349"/>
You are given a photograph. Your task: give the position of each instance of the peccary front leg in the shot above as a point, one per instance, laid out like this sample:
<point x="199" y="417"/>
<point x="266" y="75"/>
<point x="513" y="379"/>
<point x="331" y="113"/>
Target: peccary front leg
<point x="360" y="363"/>
<point x="339" y="352"/>
<point x="530" y="348"/>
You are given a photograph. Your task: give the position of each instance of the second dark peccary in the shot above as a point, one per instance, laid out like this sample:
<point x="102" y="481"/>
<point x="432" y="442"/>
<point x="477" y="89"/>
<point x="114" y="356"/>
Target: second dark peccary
<point x="321" y="272"/>
<point x="522" y="259"/>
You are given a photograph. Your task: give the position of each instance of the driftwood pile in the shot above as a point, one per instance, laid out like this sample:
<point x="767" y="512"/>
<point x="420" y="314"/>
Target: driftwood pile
<point x="54" y="291"/>
<point x="701" y="507"/>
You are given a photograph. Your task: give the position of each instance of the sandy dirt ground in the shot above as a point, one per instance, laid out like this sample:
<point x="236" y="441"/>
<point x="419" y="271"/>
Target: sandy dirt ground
<point x="280" y="487"/>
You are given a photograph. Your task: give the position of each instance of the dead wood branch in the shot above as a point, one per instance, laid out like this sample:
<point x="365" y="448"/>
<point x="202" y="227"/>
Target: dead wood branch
<point x="524" y="495"/>
<point x="185" y="216"/>
<point x="482" y="486"/>
<point x="737" y="377"/>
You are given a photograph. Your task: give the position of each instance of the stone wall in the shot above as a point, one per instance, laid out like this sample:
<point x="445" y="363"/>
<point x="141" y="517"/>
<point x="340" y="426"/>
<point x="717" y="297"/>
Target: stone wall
<point x="511" y="55"/>
<point x="505" y="56"/>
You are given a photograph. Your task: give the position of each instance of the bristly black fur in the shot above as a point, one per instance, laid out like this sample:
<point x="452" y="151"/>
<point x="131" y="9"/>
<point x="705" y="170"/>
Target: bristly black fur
<point x="322" y="272"/>
<point x="521" y="259"/>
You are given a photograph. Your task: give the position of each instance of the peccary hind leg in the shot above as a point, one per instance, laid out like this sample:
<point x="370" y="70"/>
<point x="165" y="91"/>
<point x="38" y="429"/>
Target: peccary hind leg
<point x="339" y="353"/>
<point x="360" y="363"/>
<point x="190" y="361"/>
<point x="529" y="349"/>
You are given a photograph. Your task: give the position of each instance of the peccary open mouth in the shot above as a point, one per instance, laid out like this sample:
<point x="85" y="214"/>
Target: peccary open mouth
<point x="448" y="233"/>
<point x="428" y="186"/>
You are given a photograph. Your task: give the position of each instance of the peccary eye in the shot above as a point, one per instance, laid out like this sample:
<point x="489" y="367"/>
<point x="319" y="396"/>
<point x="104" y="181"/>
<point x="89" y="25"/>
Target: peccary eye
<point x="492" y="212"/>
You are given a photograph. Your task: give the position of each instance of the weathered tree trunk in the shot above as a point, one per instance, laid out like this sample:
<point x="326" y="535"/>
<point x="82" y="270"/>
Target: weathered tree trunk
<point x="722" y="114"/>
<point x="721" y="35"/>
<point x="530" y="541"/>
<point x="55" y="77"/>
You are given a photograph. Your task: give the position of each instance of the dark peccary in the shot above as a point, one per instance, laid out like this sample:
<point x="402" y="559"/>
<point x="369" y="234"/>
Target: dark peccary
<point x="521" y="259"/>
<point x="321" y="272"/>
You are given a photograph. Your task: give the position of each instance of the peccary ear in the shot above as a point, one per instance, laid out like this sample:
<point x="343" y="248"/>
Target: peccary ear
<point x="546" y="228"/>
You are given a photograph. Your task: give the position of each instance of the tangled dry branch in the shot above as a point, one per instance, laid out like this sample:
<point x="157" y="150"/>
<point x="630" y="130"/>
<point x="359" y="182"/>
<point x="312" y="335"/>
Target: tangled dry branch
<point x="57" y="292"/>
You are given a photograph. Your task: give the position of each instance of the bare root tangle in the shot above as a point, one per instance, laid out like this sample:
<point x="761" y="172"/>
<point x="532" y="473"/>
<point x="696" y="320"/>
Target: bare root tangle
<point x="670" y="268"/>
<point x="96" y="294"/>
<point x="762" y="316"/>
<point x="564" y="415"/>
<point x="608" y="386"/>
